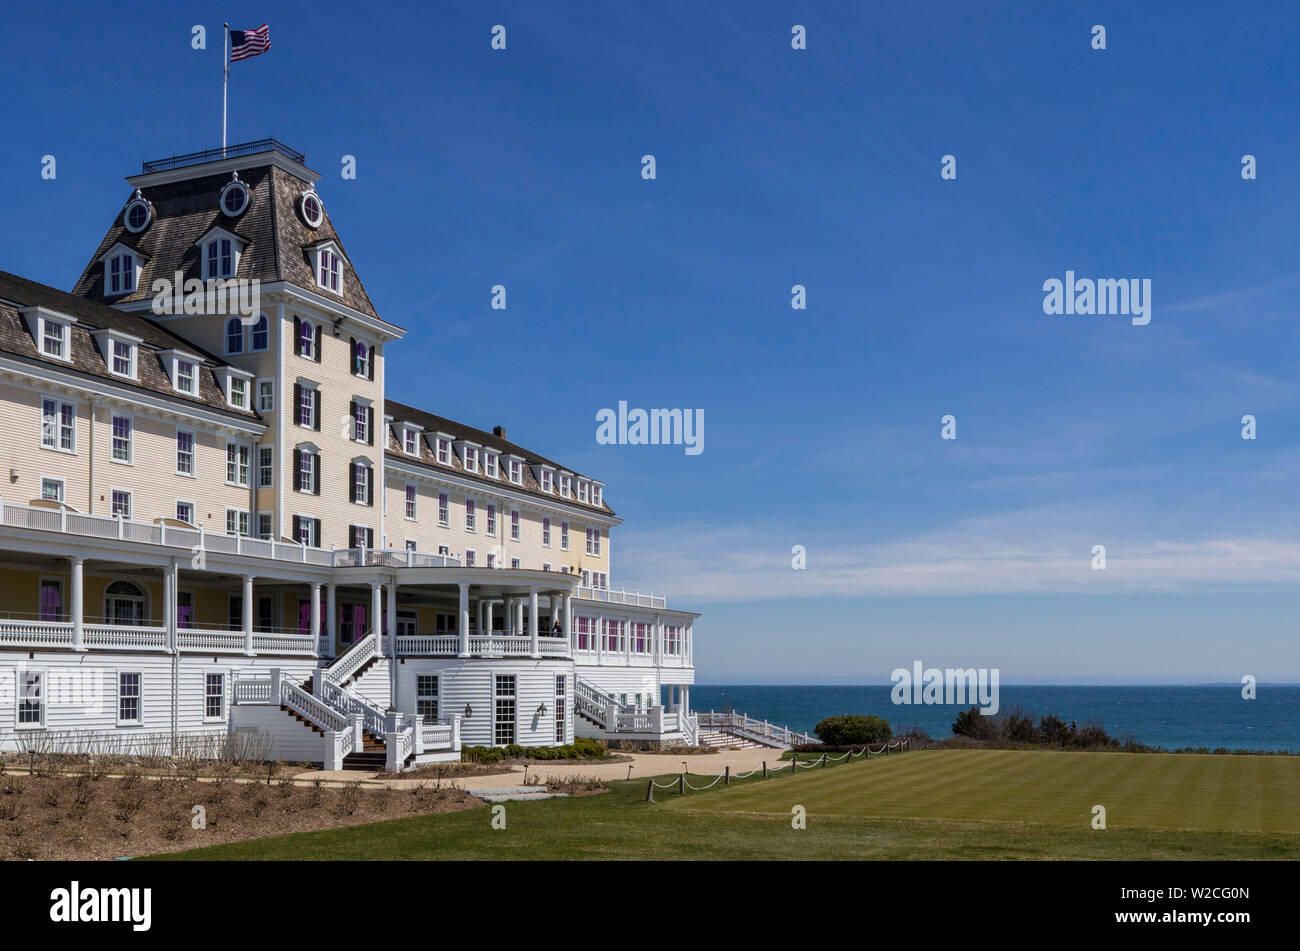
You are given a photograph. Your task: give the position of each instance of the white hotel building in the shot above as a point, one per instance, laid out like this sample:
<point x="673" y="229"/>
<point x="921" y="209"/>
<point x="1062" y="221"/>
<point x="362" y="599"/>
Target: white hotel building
<point x="212" y="525"/>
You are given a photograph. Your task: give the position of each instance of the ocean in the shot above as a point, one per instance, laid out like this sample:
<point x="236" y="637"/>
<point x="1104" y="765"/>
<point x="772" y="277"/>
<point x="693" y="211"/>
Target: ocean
<point x="1169" y="716"/>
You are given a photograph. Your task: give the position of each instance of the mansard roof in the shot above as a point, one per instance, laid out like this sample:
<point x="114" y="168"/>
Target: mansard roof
<point x="432" y="424"/>
<point x="185" y="210"/>
<point x="17" y="293"/>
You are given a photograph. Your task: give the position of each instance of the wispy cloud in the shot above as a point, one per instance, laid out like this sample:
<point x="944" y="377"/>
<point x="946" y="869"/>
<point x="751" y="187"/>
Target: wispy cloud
<point x="1019" y="553"/>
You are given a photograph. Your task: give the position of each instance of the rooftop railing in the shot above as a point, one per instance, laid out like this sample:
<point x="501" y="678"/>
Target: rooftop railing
<point x="620" y="596"/>
<point x="216" y="155"/>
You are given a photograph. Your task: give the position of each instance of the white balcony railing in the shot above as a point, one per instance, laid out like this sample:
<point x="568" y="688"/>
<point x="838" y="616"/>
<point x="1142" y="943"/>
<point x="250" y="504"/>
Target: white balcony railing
<point x="194" y="540"/>
<point x="480" y="645"/>
<point x="619" y="596"/>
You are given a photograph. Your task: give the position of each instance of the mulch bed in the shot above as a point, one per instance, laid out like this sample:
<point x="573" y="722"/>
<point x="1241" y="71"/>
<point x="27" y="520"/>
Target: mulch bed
<point x="76" y="817"/>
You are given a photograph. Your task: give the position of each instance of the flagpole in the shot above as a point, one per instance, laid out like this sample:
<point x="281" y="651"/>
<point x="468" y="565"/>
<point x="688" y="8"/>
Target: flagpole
<point x="225" y="84"/>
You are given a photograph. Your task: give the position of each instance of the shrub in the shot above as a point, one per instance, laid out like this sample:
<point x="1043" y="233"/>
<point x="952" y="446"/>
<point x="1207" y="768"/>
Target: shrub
<point x="853" y="728"/>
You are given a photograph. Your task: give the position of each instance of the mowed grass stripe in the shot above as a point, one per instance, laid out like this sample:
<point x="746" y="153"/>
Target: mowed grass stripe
<point x="1138" y="790"/>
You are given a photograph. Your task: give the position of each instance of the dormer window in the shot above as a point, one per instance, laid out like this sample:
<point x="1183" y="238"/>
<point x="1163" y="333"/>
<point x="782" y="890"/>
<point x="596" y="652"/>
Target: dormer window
<point x="596" y="492"/>
<point x="471" y="459"/>
<point x="220" y="256"/>
<point x="547" y="480"/>
<point x="410" y="441"/>
<point x="238" y="392"/>
<point x="122" y="267"/>
<point x="327" y="270"/>
<point x="565" y="485"/>
<point x="54" y="339"/>
<point x="237" y="385"/>
<point x="442" y="451"/>
<point x="516" y="472"/>
<point x="186" y="378"/>
<point x="121" y="273"/>
<point x="123" y="358"/>
<point x="582" y="491"/>
<point x="490" y="464"/>
<point x="183" y="370"/>
<point x="234" y="197"/>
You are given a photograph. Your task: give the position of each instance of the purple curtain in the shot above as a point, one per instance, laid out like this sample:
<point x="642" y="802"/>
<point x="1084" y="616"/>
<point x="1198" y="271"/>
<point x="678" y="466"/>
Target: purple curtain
<point x="51" y="602"/>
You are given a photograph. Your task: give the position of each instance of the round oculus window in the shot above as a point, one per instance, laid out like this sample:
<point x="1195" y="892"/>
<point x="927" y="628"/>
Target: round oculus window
<point x="234" y="198"/>
<point x="137" y="215"/>
<point x="312" y="211"/>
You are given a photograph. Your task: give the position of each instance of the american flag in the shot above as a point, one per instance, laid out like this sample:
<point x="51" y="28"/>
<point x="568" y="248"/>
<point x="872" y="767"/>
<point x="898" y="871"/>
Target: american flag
<point x="246" y="43"/>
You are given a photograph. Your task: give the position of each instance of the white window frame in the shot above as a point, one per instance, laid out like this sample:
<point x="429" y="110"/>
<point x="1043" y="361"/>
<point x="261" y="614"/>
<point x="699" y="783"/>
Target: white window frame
<point x="112" y="502"/>
<point x="267" y="404"/>
<point x="547" y="481"/>
<point x="566" y="485"/>
<point x="470" y="455"/>
<point x="516" y="470"/>
<point x="241" y="516"/>
<point x="192" y="519"/>
<point x="20" y="688"/>
<point x="130" y="439"/>
<point x="208" y="695"/>
<point x="269" y="469"/>
<point x="410" y="506"/>
<point x="442" y="451"/>
<point x="62" y="488"/>
<point x="490" y="464"/>
<point x="247" y="453"/>
<point x="131" y="350"/>
<point x="516" y="528"/>
<point x="471" y="515"/>
<point x="564" y="536"/>
<point x="138" y="720"/>
<point x="238" y="384"/>
<point x="444" y="509"/>
<point x="194" y="377"/>
<point x="56" y="435"/>
<point x="194" y="453"/>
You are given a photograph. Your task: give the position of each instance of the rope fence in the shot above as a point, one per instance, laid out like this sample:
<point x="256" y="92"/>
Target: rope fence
<point x="681" y="784"/>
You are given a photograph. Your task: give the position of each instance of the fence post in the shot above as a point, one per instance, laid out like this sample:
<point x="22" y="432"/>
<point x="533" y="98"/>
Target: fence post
<point x="681" y="784"/>
<point x="824" y="761"/>
<point x="726" y="779"/>
<point x="650" y="790"/>
<point x="765" y="769"/>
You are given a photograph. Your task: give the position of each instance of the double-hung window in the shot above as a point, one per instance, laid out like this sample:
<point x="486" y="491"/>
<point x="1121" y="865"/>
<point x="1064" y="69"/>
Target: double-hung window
<point x="514" y="525"/>
<point x="444" y="452"/>
<point x="444" y="509"/>
<point x="237" y="462"/>
<point x="265" y="466"/>
<point x="546" y="532"/>
<point x="426" y="697"/>
<point x="491" y="519"/>
<point x="410" y="501"/>
<point x="31" y="698"/>
<point x="471" y="520"/>
<point x="121" y="503"/>
<point x="184" y="452"/>
<point x="185" y="379"/>
<point x="58" y="425"/>
<point x="121" y="447"/>
<point x="214" y="696"/>
<point x="564" y="536"/>
<point x="128" y="697"/>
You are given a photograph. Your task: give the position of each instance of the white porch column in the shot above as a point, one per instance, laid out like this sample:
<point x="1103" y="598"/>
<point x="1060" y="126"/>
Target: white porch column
<point x="627" y="641"/>
<point x="170" y="580"/>
<point x="246" y="608"/>
<point x="483" y="605"/>
<point x="392" y="617"/>
<point x="534" y="646"/>
<point x="519" y="617"/>
<point x="568" y="615"/>
<point x="331" y="619"/>
<point x="600" y="638"/>
<point x="377" y="615"/>
<point x="315" y="616"/>
<point x="463" y="628"/>
<point x="78" y="601"/>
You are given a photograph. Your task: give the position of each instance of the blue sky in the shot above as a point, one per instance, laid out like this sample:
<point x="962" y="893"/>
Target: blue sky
<point x="821" y="168"/>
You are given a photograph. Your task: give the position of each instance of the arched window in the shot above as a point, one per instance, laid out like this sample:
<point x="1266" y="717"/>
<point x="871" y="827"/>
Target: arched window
<point x="125" y="603"/>
<point x="234" y="335"/>
<point x="260" y="337"/>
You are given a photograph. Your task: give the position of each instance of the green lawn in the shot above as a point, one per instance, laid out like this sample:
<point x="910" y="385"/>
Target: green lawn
<point x="1138" y="790"/>
<point x="920" y="805"/>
